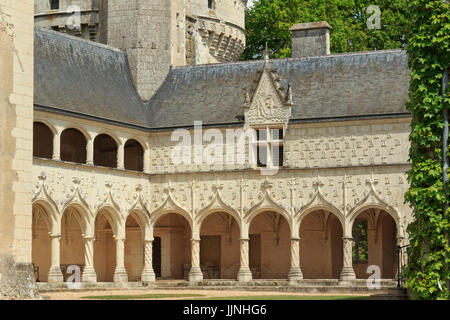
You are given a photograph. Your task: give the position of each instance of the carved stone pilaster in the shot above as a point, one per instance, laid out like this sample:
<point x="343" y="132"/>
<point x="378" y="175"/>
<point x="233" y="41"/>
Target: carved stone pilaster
<point x="89" y="274"/>
<point x="120" y="273"/>
<point x="195" y="274"/>
<point x="148" y="274"/>
<point x="295" y="274"/>
<point x="54" y="274"/>
<point x="347" y="273"/>
<point x="244" y="273"/>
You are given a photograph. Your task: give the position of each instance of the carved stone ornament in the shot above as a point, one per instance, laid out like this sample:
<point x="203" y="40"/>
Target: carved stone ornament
<point x="269" y="105"/>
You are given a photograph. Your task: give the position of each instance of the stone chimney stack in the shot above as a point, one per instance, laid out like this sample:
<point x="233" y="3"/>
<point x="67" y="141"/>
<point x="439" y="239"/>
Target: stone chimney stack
<point x="310" y="39"/>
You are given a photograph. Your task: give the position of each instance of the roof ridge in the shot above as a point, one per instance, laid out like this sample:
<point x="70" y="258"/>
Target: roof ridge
<point x="357" y="53"/>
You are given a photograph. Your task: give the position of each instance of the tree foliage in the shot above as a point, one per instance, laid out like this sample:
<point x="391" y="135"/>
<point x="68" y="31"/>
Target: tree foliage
<point x="269" y="21"/>
<point x="429" y="55"/>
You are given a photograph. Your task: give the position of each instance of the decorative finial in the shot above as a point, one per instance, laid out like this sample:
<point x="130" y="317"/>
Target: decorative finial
<point x="288" y="98"/>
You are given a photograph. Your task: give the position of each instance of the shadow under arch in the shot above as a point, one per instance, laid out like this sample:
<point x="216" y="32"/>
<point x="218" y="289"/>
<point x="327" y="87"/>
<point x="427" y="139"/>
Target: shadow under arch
<point x="74" y="226"/>
<point x="171" y="245"/>
<point x="321" y="245"/>
<point x="43" y="225"/>
<point x="269" y="244"/>
<point x="375" y="233"/>
<point x="220" y="232"/>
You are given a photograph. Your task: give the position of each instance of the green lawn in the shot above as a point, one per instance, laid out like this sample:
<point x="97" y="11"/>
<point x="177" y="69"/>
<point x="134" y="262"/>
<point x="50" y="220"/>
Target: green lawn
<point x="289" y="297"/>
<point x="143" y="296"/>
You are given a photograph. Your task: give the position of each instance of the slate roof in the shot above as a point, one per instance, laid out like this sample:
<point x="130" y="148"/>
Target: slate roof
<point x="87" y="78"/>
<point x="79" y="76"/>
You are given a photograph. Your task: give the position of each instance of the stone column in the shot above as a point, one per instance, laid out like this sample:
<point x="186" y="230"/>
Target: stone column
<point x="148" y="275"/>
<point x="54" y="274"/>
<point x="295" y="274"/>
<point x="196" y="273"/>
<point x="120" y="273"/>
<point x="90" y="152"/>
<point x="244" y="273"/>
<point x="347" y="273"/>
<point x="121" y="156"/>
<point x="89" y="271"/>
<point x="56" y="146"/>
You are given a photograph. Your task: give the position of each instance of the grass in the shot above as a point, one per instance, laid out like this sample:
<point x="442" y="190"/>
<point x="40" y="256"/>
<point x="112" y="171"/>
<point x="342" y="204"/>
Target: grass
<point x="143" y="296"/>
<point x="289" y="297"/>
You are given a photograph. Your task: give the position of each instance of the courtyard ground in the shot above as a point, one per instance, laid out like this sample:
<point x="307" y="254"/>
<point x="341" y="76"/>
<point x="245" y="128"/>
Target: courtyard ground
<point x="193" y="294"/>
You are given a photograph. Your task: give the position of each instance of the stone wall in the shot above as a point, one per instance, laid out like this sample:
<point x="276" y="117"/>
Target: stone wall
<point x="144" y="32"/>
<point x="16" y="133"/>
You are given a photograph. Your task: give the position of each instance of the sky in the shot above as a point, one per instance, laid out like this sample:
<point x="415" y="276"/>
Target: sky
<point x="249" y="3"/>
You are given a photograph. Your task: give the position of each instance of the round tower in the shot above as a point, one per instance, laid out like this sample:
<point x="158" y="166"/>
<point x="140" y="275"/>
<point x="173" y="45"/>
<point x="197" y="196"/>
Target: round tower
<point x="75" y="17"/>
<point x="215" y="30"/>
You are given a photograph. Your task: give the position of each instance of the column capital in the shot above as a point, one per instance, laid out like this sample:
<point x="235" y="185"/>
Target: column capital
<point x="54" y="236"/>
<point x="295" y="239"/>
<point x="88" y="238"/>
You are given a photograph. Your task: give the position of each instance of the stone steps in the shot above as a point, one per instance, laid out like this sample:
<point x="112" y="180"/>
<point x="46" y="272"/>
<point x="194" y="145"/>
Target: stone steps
<point x="331" y="286"/>
<point x="392" y="294"/>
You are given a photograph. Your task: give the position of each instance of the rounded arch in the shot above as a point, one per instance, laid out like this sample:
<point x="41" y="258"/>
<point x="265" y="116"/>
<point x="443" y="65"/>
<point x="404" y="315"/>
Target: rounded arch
<point x="253" y="213"/>
<point x="112" y="216"/>
<point x="392" y="212"/>
<point x="109" y="133"/>
<point x="73" y="145"/>
<point x="47" y="123"/>
<point x="133" y="155"/>
<point x="82" y="216"/>
<point x="42" y="140"/>
<point x="158" y="215"/>
<point x="142" y="218"/>
<point x="172" y="244"/>
<point x="138" y="139"/>
<point x="303" y="213"/>
<point x="105" y="150"/>
<point x="203" y="215"/>
<point x="52" y="216"/>
<point x="83" y="131"/>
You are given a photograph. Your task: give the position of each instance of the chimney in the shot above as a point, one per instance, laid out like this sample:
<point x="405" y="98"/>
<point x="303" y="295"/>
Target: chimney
<point x="310" y="39"/>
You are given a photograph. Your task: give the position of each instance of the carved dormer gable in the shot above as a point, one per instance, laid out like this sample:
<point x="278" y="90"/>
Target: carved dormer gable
<point x="269" y="105"/>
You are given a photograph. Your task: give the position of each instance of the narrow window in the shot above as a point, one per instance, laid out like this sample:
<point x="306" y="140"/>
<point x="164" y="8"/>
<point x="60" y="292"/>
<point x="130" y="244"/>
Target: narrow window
<point x="270" y="149"/>
<point x="54" y="4"/>
<point x="42" y="141"/>
<point x="360" y="241"/>
<point x="134" y="156"/>
<point x="211" y="4"/>
<point x="73" y="146"/>
<point x="105" y="151"/>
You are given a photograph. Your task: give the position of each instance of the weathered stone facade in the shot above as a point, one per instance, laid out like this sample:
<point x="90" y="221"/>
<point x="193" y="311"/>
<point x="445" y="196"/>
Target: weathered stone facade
<point x="16" y="123"/>
<point x="106" y="193"/>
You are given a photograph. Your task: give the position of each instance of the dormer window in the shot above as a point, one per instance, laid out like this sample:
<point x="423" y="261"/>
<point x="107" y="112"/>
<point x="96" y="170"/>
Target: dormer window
<point x="54" y="4"/>
<point x="212" y="4"/>
<point x="269" y="147"/>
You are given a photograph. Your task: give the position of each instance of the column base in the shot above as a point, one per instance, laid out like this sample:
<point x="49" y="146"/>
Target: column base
<point x="244" y="275"/>
<point x="89" y="276"/>
<point x="148" y="275"/>
<point x="120" y="275"/>
<point x="55" y="275"/>
<point x="195" y="274"/>
<point x="295" y="275"/>
<point x="347" y="274"/>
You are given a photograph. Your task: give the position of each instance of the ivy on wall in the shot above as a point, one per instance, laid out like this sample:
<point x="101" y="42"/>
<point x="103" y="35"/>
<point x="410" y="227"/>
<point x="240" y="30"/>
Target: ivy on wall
<point x="429" y="55"/>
